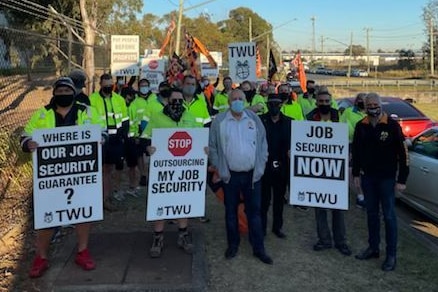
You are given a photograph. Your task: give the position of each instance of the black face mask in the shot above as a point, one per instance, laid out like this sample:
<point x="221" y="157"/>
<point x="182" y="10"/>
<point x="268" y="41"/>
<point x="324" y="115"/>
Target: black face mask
<point x="165" y="93"/>
<point x="107" y="89"/>
<point x="311" y="90"/>
<point x="174" y="111"/>
<point x="249" y="95"/>
<point x="63" y="100"/>
<point x="374" y="112"/>
<point x="274" y="108"/>
<point x="361" y="105"/>
<point x="285" y="96"/>
<point x="324" y="108"/>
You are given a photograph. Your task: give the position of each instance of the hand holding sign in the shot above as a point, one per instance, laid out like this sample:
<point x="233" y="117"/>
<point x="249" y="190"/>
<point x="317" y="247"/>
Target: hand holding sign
<point x="151" y="149"/>
<point x="32" y="145"/>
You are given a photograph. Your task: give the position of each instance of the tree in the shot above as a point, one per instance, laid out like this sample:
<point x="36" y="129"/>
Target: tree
<point x="430" y="16"/>
<point x="406" y="59"/>
<point x="236" y="28"/>
<point x="357" y="50"/>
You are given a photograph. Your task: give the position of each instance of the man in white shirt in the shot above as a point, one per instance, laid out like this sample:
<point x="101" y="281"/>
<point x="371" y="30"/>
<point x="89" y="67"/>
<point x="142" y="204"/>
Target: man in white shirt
<point x="238" y="151"/>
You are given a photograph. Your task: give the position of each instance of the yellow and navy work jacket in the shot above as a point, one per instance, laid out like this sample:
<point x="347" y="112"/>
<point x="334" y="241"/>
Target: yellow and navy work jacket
<point x="47" y="118"/>
<point x="114" y="111"/>
<point x="198" y="108"/>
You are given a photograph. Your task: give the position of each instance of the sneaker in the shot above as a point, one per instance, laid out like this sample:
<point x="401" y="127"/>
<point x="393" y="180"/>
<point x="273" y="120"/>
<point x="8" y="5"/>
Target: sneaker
<point x="360" y="204"/>
<point x="119" y="196"/>
<point x="132" y="192"/>
<point x="157" y="246"/>
<point x="143" y="181"/>
<point x="185" y="241"/>
<point x="84" y="260"/>
<point x="39" y="266"/>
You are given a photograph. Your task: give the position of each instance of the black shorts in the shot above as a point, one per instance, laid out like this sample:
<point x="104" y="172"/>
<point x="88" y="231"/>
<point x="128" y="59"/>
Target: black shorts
<point x="113" y="152"/>
<point x="131" y="152"/>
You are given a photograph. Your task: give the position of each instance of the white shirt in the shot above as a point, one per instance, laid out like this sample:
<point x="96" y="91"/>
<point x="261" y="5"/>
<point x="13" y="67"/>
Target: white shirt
<point x="240" y="142"/>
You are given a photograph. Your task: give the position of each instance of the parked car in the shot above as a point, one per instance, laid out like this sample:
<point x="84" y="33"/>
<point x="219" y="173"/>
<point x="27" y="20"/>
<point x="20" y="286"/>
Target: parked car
<point x="411" y="119"/>
<point x="359" y="73"/>
<point x="422" y="184"/>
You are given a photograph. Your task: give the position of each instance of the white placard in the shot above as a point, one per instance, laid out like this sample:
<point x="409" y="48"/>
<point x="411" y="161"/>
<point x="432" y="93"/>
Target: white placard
<point x="177" y="174"/>
<point x="153" y="70"/>
<point x="319" y="165"/>
<point x="217" y="56"/>
<point x="125" y="54"/>
<point x="209" y="71"/>
<point x="67" y="176"/>
<point x="242" y="61"/>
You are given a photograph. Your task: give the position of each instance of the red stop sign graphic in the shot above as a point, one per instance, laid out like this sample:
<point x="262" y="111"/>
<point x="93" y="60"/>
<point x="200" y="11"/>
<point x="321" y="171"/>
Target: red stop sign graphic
<point x="180" y="143"/>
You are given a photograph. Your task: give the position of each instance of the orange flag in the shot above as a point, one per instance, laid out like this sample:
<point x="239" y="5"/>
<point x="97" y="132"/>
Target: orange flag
<point x="170" y="29"/>
<point x="193" y="48"/>
<point x="200" y="48"/>
<point x="258" y="63"/>
<point x="298" y="63"/>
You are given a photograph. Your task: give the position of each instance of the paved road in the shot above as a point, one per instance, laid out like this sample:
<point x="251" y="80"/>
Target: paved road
<point x="420" y="225"/>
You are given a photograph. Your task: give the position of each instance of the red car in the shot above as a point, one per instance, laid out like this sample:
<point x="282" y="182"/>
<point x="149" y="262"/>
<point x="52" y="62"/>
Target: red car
<point x="411" y="119"/>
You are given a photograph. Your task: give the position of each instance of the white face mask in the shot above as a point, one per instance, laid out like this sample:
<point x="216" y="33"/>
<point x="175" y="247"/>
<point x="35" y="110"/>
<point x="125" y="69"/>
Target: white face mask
<point x="121" y="82"/>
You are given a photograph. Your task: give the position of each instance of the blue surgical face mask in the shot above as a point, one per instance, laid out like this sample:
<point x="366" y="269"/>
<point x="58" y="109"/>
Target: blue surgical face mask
<point x="189" y="90"/>
<point x="237" y="106"/>
<point x="144" y="89"/>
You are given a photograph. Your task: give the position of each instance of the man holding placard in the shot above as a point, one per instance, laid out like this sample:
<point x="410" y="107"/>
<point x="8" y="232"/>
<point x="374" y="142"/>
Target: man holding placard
<point x="171" y="188"/>
<point x="324" y="112"/>
<point x="77" y="162"/>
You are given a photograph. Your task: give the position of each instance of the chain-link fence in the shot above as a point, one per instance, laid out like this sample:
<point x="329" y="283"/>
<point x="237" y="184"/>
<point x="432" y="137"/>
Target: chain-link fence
<point x="29" y="64"/>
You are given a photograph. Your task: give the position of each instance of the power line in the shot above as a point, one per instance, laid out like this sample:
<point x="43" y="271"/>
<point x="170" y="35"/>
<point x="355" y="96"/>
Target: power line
<point x="42" y="12"/>
<point x="36" y="8"/>
<point x="36" y="14"/>
<point x="171" y="2"/>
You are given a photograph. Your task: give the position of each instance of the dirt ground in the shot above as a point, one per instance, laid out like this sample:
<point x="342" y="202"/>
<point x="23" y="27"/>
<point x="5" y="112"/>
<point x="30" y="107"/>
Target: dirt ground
<point x="296" y="266"/>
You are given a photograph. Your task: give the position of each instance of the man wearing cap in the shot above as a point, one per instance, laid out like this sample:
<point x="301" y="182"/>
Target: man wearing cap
<point x="275" y="178"/>
<point x="61" y="111"/>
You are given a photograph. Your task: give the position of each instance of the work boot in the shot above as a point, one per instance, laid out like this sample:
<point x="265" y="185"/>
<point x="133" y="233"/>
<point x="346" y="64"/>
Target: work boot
<point x="157" y="245"/>
<point x="185" y="241"/>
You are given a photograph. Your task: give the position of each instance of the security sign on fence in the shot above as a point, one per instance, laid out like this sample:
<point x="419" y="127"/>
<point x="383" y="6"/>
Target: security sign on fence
<point x="319" y="165"/>
<point x="67" y="176"/>
<point x="177" y="174"/>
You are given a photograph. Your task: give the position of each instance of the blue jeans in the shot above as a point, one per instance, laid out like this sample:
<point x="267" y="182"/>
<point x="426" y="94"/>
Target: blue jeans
<point x="241" y="182"/>
<point x="381" y="191"/>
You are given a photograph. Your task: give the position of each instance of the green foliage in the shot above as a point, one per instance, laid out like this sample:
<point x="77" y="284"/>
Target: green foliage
<point x="357" y="50"/>
<point x="14" y="164"/>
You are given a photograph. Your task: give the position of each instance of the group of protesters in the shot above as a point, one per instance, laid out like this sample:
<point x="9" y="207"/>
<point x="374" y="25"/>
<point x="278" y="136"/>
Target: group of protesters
<point x="249" y="153"/>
